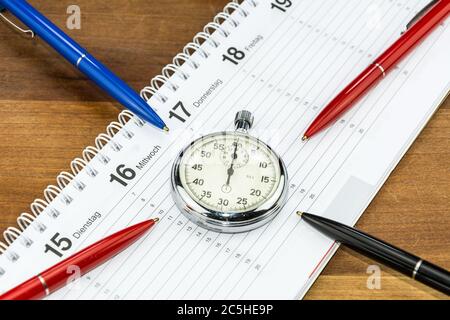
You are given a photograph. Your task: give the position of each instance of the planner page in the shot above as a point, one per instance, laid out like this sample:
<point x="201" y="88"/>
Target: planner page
<point x="283" y="60"/>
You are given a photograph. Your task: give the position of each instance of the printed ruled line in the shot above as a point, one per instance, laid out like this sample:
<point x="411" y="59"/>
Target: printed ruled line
<point x="212" y="242"/>
<point x="354" y="148"/>
<point x="184" y="132"/>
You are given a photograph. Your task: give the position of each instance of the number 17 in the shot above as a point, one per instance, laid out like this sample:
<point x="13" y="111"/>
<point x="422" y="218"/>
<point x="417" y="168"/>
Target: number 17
<point x="172" y="113"/>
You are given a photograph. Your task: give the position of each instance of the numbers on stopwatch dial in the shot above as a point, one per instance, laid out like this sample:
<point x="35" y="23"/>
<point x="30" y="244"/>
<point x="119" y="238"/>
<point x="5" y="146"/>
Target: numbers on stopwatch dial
<point x="230" y="172"/>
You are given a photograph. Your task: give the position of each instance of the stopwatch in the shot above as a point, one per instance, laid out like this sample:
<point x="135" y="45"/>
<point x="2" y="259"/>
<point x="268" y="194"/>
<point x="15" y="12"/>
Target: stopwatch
<point x="229" y="181"/>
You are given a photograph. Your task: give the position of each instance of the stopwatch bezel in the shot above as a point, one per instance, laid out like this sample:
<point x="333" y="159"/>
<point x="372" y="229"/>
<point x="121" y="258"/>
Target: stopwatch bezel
<point x="232" y="222"/>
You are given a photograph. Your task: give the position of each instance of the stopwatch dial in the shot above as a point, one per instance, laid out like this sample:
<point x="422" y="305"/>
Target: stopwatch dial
<point x="230" y="172"/>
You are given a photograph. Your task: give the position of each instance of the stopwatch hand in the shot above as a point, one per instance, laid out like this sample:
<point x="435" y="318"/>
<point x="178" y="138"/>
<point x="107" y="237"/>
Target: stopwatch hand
<point x="230" y="172"/>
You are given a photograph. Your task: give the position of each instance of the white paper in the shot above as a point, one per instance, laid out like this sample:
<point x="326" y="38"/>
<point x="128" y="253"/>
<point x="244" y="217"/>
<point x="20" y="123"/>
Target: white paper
<point x="296" y="62"/>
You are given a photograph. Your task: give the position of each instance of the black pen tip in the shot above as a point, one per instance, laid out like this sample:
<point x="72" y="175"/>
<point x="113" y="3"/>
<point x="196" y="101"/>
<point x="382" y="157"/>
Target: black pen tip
<point x="304" y="215"/>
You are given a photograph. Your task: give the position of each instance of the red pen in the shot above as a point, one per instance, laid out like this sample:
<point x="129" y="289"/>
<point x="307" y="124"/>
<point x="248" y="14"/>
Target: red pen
<point x="436" y="11"/>
<point x="89" y="258"/>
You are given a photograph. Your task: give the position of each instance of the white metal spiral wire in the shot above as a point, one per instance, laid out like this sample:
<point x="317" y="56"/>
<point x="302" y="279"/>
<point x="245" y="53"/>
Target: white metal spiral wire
<point x="197" y="47"/>
<point x="58" y="191"/>
<point x="64" y="179"/>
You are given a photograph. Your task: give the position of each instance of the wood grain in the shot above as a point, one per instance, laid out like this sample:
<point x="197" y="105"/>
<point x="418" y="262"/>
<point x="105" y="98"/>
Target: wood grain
<point x="49" y="112"/>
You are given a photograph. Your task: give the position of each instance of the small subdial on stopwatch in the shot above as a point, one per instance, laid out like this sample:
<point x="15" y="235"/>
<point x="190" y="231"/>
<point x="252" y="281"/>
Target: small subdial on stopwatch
<point x="238" y="156"/>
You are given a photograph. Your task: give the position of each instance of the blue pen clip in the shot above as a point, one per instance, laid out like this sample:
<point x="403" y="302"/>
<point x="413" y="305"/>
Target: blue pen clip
<point x="30" y="32"/>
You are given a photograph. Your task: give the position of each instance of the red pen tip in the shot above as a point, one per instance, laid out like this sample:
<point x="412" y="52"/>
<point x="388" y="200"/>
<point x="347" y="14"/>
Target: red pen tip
<point x="305" y="138"/>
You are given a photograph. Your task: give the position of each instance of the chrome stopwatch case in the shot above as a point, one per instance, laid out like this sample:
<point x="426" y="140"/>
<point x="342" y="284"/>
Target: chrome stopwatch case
<point x="229" y="181"/>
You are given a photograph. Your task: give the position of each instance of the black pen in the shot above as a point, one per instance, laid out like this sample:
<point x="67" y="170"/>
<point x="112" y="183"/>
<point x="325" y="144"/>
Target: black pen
<point x="410" y="265"/>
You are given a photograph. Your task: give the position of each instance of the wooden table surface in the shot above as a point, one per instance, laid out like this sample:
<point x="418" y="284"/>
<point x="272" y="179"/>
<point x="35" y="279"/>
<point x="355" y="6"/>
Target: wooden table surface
<point x="49" y="112"/>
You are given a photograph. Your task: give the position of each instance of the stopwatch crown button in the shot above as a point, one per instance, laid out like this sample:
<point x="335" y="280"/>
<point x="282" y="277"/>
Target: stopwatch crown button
<point x="244" y="120"/>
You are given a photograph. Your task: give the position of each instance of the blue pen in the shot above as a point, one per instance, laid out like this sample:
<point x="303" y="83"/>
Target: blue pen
<point x="85" y="62"/>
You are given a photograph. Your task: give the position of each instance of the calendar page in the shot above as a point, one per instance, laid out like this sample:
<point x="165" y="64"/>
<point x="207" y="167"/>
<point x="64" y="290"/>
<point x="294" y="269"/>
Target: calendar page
<point x="283" y="60"/>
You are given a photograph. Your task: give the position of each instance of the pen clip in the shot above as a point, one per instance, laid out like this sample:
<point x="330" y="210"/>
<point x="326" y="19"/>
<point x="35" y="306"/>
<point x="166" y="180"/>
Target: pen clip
<point x="25" y="31"/>
<point x="420" y="14"/>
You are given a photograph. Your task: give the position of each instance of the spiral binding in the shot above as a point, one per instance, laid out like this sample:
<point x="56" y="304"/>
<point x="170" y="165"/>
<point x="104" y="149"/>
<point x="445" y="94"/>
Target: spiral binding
<point x="196" y="46"/>
<point x="170" y="71"/>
